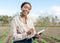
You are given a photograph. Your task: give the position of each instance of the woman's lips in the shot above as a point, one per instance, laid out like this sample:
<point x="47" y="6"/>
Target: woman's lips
<point x="26" y="12"/>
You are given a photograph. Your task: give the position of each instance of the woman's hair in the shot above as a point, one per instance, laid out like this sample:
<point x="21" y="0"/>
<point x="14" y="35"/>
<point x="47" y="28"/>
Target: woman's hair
<point x="26" y="3"/>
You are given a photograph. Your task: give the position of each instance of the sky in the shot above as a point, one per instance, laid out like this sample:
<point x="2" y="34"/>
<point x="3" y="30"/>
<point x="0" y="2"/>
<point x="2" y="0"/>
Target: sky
<point x="39" y="7"/>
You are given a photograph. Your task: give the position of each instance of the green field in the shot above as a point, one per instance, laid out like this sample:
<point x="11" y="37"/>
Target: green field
<point x="50" y="35"/>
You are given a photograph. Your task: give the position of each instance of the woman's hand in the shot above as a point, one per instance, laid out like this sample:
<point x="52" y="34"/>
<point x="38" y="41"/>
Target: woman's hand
<point x="37" y="35"/>
<point x="30" y="31"/>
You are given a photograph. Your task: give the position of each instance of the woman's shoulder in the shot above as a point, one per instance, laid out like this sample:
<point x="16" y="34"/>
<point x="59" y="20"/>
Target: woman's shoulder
<point x="15" y="18"/>
<point x="30" y="19"/>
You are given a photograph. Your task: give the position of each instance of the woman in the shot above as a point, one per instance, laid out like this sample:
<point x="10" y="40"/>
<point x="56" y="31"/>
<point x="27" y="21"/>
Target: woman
<point x="22" y="26"/>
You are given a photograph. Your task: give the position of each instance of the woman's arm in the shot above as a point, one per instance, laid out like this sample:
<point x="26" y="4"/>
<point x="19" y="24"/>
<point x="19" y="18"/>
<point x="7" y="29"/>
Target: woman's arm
<point x="14" y="32"/>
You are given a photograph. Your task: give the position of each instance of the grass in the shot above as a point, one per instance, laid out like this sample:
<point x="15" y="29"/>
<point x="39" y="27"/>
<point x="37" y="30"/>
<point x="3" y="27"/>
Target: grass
<point x="53" y="38"/>
<point x="58" y="39"/>
<point x="4" y="36"/>
<point x="0" y="41"/>
<point x="4" y="32"/>
<point x="43" y="41"/>
<point x="34" y="41"/>
<point x="11" y="41"/>
<point x="58" y="42"/>
<point x="49" y="38"/>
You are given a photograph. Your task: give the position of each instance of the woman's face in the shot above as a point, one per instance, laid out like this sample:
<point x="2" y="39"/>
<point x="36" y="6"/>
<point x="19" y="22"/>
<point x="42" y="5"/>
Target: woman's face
<point x="26" y="9"/>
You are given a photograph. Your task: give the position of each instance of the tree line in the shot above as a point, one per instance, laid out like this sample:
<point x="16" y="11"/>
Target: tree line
<point x="40" y="21"/>
<point x="48" y="21"/>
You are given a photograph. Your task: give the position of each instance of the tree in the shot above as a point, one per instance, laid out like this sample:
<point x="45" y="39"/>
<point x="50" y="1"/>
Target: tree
<point x="5" y="19"/>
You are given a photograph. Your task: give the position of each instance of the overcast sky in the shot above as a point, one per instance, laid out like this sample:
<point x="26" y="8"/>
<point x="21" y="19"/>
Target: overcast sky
<point x="39" y="7"/>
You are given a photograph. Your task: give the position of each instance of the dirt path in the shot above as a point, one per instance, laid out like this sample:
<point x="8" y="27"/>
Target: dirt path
<point x="48" y="40"/>
<point x="6" y="40"/>
<point x="1" y="36"/>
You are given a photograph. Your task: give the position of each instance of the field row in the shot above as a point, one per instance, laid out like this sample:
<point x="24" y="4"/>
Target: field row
<point x="50" y="35"/>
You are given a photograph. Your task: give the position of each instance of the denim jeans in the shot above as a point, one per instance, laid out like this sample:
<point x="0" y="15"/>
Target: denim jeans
<point x="24" y="41"/>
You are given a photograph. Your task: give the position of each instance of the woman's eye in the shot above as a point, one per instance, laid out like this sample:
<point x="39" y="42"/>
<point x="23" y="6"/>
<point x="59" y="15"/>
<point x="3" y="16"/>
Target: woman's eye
<point x="27" y="8"/>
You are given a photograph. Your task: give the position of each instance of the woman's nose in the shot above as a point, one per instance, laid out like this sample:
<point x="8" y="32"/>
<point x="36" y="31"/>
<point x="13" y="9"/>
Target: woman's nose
<point x="27" y="10"/>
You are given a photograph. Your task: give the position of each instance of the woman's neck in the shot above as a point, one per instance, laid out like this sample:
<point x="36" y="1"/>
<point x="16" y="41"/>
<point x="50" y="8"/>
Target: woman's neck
<point x="23" y="16"/>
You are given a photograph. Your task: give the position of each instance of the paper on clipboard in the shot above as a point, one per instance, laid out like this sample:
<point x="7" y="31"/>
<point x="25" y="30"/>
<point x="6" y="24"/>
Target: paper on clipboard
<point x="41" y="31"/>
<point x="32" y="35"/>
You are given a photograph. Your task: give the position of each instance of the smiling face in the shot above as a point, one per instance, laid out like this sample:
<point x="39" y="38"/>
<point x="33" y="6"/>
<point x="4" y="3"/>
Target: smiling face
<point x="26" y="9"/>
